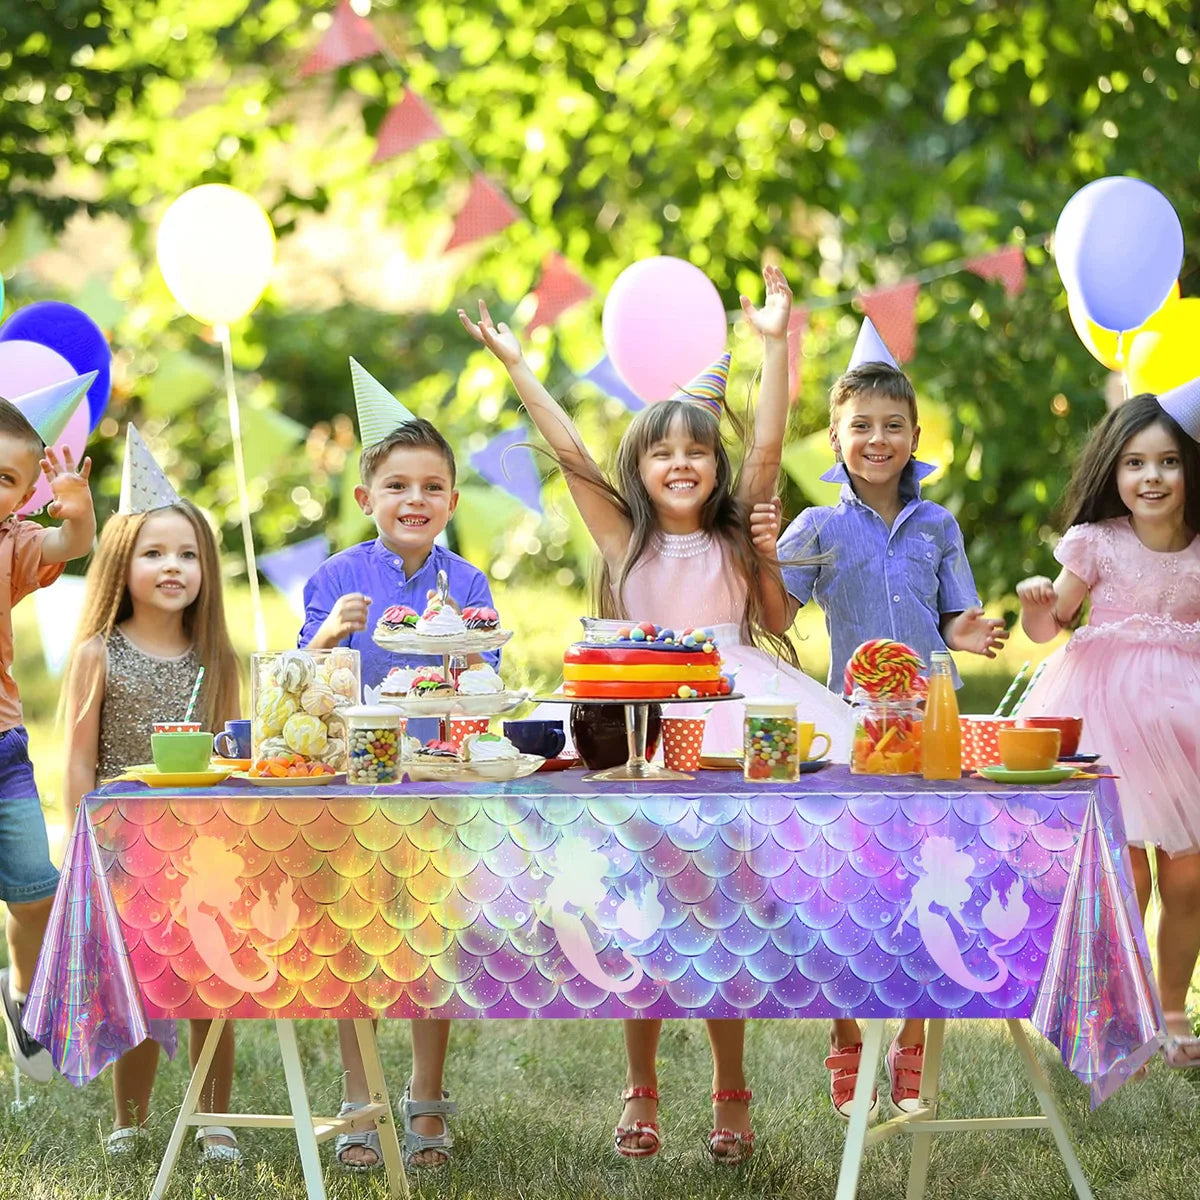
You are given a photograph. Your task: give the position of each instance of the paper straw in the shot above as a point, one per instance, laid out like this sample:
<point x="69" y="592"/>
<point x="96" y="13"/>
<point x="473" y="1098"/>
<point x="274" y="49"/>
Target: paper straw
<point x="187" y="716"/>
<point x="1012" y="688"/>
<point x="1029" y="688"/>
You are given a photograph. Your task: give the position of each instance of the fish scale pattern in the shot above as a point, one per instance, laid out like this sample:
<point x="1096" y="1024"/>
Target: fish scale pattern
<point x="537" y="901"/>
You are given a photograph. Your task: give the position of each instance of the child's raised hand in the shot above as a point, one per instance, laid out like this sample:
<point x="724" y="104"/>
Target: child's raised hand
<point x="499" y="339"/>
<point x="976" y="633"/>
<point x="772" y="319"/>
<point x="765" y="522"/>
<point x="72" y="496"/>
<point x="349" y="615"/>
<point x="1037" y="592"/>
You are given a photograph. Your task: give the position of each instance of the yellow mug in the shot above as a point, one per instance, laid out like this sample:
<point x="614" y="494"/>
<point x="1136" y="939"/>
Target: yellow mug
<point x="806" y="734"/>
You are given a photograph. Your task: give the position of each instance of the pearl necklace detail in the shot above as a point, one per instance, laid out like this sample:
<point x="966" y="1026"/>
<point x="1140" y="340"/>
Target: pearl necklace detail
<point x="684" y="545"/>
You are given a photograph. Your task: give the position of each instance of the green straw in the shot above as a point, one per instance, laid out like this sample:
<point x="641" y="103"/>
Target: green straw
<point x="1029" y="686"/>
<point x="1012" y="689"/>
<point x="187" y="716"/>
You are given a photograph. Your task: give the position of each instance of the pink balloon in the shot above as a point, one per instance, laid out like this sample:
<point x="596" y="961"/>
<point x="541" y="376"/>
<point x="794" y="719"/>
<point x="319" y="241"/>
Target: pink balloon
<point x="25" y="367"/>
<point x="664" y="323"/>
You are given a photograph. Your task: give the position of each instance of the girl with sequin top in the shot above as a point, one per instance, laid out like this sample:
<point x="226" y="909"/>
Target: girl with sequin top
<point x="675" y="548"/>
<point x="153" y="614"/>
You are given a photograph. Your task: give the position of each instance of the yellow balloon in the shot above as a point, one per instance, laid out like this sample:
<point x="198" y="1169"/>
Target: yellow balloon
<point x="1100" y="343"/>
<point x="216" y="250"/>
<point x="1169" y="354"/>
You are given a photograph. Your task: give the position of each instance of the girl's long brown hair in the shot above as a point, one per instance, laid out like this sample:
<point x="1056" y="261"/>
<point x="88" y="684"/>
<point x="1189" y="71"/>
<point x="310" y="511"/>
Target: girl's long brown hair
<point x="106" y="603"/>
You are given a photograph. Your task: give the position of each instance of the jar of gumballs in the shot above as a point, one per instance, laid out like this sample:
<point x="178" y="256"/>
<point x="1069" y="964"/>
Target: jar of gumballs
<point x="771" y="741"/>
<point x="375" y="740"/>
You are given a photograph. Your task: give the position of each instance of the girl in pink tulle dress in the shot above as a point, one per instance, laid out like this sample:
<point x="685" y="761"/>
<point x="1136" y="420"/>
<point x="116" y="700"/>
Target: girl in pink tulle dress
<point x="1133" y="671"/>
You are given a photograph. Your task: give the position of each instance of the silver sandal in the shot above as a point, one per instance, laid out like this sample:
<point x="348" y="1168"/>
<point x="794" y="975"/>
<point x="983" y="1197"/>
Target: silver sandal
<point x="226" y="1156"/>
<point x="126" y="1140"/>
<point x="417" y="1143"/>
<point x="367" y="1139"/>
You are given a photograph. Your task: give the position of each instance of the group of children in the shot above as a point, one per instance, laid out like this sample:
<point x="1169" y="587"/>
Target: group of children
<point x="683" y="538"/>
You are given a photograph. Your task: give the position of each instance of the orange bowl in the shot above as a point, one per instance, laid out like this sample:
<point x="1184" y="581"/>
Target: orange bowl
<point x="1071" y="729"/>
<point x="1029" y="749"/>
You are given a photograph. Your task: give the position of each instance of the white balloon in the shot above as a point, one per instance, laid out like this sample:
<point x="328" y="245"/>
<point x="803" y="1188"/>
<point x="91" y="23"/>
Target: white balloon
<point x="216" y="250"/>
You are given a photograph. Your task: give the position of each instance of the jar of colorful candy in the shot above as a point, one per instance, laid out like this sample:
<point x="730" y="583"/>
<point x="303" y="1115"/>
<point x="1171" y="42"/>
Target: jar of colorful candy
<point x="375" y="737"/>
<point x="887" y="736"/>
<point x="771" y="741"/>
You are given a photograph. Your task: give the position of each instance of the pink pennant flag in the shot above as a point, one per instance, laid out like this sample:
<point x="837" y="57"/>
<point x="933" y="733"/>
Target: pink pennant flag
<point x="349" y="38"/>
<point x="894" y="313"/>
<point x="558" y="289"/>
<point x="797" y="324"/>
<point x="405" y="127"/>
<point x="1007" y="265"/>
<point x="486" y="211"/>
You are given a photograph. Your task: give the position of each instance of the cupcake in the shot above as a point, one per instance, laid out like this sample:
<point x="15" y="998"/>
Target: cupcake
<point x="440" y="620"/>
<point x="430" y="683"/>
<point x="480" y="681"/>
<point x="481" y="618"/>
<point x="398" y="617"/>
<point x="488" y="747"/>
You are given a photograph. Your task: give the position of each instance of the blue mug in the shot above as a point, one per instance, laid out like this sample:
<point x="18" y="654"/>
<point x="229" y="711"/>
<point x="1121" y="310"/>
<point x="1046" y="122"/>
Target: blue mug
<point x="234" y="740"/>
<point x="544" y="738"/>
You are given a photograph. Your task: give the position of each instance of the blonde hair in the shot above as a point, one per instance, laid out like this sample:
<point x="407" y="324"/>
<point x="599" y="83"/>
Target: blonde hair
<point x="107" y="603"/>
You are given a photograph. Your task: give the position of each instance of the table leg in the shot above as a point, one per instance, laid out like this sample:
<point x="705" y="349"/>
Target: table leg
<point x="393" y="1163"/>
<point x="191" y="1100"/>
<point x="856" y="1135"/>
<point x="1041" y="1089"/>
<point x="310" y="1160"/>
<point x="931" y="1078"/>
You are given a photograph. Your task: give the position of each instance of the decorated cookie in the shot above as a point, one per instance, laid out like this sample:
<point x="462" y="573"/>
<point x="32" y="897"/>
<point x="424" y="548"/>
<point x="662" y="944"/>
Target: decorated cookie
<point x="436" y="749"/>
<point x="399" y="616"/>
<point x="305" y="734"/>
<point x="293" y="670"/>
<point x="480" y="618"/>
<point x="275" y="706"/>
<point x="430" y="683"/>
<point x="318" y="699"/>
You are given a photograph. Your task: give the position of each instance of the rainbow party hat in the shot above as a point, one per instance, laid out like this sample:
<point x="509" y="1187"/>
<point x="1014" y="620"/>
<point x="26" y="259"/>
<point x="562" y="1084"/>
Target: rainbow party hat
<point x="144" y="487"/>
<point x="870" y="348"/>
<point x="708" y="388"/>
<point x="1183" y="403"/>
<point x="379" y="412"/>
<point x="50" y="408"/>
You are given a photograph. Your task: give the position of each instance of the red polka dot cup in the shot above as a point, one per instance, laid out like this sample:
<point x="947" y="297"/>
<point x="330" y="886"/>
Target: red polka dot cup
<point x="981" y="740"/>
<point x="177" y="726"/>
<point x="458" y="729"/>
<point x="682" y="739"/>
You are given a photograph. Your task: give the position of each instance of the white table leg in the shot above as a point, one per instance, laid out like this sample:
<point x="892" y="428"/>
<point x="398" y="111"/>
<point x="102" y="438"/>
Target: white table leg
<point x="310" y="1160"/>
<point x="377" y="1086"/>
<point x="931" y="1080"/>
<point x="1041" y="1089"/>
<point x="852" y="1151"/>
<point x="191" y="1100"/>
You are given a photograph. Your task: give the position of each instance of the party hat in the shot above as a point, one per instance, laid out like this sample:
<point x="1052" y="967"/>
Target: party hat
<point x="143" y="485"/>
<point x="49" y="409"/>
<point x="870" y="348"/>
<point x="1183" y="403"/>
<point x="708" y="388"/>
<point x="379" y="412"/>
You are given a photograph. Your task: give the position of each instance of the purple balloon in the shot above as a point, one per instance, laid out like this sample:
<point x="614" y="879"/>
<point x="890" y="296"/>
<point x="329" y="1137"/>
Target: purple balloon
<point x="70" y="332"/>
<point x="1118" y="246"/>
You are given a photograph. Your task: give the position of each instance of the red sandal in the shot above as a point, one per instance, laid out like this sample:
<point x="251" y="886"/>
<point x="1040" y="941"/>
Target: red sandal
<point x="639" y="1129"/>
<point x="843" y="1064"/>
<point x="742" y="1143"/>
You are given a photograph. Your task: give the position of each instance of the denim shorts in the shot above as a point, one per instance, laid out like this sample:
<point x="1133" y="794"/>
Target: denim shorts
<point x="26" y="872"/>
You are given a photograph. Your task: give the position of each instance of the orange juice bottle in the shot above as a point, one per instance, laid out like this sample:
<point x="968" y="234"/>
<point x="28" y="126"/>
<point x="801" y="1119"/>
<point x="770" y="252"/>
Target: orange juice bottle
<point x="941" y="746"/>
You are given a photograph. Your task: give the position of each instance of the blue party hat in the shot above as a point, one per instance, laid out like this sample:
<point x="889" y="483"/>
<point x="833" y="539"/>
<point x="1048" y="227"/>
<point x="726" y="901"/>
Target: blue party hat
<point x="870" y="348"/>
<point x="50" y="408"/>
<point x="1183" y="403"/>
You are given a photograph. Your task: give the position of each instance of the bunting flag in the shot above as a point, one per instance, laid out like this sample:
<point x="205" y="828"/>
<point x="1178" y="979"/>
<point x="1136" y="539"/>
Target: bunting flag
<point x="348" y="39"/>
<point x="604" y="376"/>
<point x="508" y="464"/>
<point x="292" y="567"/>
<point x="894" y="312"/>
<point x="797" y="324"/>
<point x="487" y="211"/>
<point x="558" y="289"/>
<point x="1007" y="265"/>
<point x="57" y="609"/>
<point x="405" y="127"/>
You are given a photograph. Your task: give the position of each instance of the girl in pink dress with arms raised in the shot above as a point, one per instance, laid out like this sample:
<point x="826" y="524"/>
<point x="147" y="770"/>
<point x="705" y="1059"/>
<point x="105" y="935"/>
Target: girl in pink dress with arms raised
<point x="1133" y="671"/>
<point x="674" y="539"/>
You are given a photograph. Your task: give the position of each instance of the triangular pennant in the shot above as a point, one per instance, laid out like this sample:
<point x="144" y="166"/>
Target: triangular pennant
<point x="486" y="211"/>
<point x="1007" y="265"/>
<point x="379" y="412"/>
<point x="708" y="388"/>
<point x="405" y="127"/>
<point x="869" y="348"/>
<point x="348" y="39"/>
<point x="558" y="289"/>
<point x="509" y="465"/>
<point x="144" y="487"/>
<point x="291" y="568"/>
<point x="57" y="609"/>
<point x="797" y="324"/>
<point x="605" y="376"/>
<point x="894" y="311"/>
<point x="1183" y="403"/>
<point x="267" y="435"/>
<point x="50" y="408"/>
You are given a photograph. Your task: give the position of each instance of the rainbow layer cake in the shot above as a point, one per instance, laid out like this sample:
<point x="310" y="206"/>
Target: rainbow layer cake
<point x="645" y="662"/>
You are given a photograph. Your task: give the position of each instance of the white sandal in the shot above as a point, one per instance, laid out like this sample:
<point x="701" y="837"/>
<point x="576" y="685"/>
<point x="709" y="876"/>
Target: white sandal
<point x="126" y="1140"/>
<point x="367" y="1139"/>
<point x="226" y="1156"/>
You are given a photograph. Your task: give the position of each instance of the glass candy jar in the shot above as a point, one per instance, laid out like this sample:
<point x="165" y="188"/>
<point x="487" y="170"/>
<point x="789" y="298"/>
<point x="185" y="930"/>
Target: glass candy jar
<point x="374" y="741"/>
<point x="297" y="698"/>
<point x="887" y="736"/>
<point x="771" y="741"/>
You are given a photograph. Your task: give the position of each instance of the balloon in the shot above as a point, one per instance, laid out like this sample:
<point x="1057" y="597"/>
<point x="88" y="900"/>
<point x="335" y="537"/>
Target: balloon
<point x="73" y="334"/>
<point x="1118" y="245"/>
<point x="1168" y="354"/>
<point x="663" y="324"/>
<point x="216" y="250"/>
<point x="25" y="367"/>
<point x="1101" y="344"/>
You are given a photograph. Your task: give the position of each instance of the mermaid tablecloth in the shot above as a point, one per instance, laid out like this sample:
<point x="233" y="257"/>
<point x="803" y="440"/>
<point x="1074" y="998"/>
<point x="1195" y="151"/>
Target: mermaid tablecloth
<point x="549" y="897"/>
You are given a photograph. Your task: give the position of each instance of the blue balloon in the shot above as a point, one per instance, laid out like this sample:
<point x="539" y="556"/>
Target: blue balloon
<point x="74" y="335"/>
<point x="1118" y="246"/>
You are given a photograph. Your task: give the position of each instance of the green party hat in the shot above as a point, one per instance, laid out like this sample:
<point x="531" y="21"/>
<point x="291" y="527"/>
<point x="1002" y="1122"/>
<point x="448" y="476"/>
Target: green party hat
<point x="379" y="412"/>
<point x="144" y="487"/>
<point x="50" y="408"/>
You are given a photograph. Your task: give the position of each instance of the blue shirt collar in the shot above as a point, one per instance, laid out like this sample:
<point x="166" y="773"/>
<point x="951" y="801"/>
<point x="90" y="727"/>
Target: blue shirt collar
<point x="910" y="479"/>
<point x="393" y="561"/>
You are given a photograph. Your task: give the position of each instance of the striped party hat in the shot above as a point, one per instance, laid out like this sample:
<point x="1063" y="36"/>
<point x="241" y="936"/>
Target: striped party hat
<point x="708" y="388"/>
<point x="1183" y="403"/>
<point x="379" y="412"/>
<point x="870" y="348"/>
